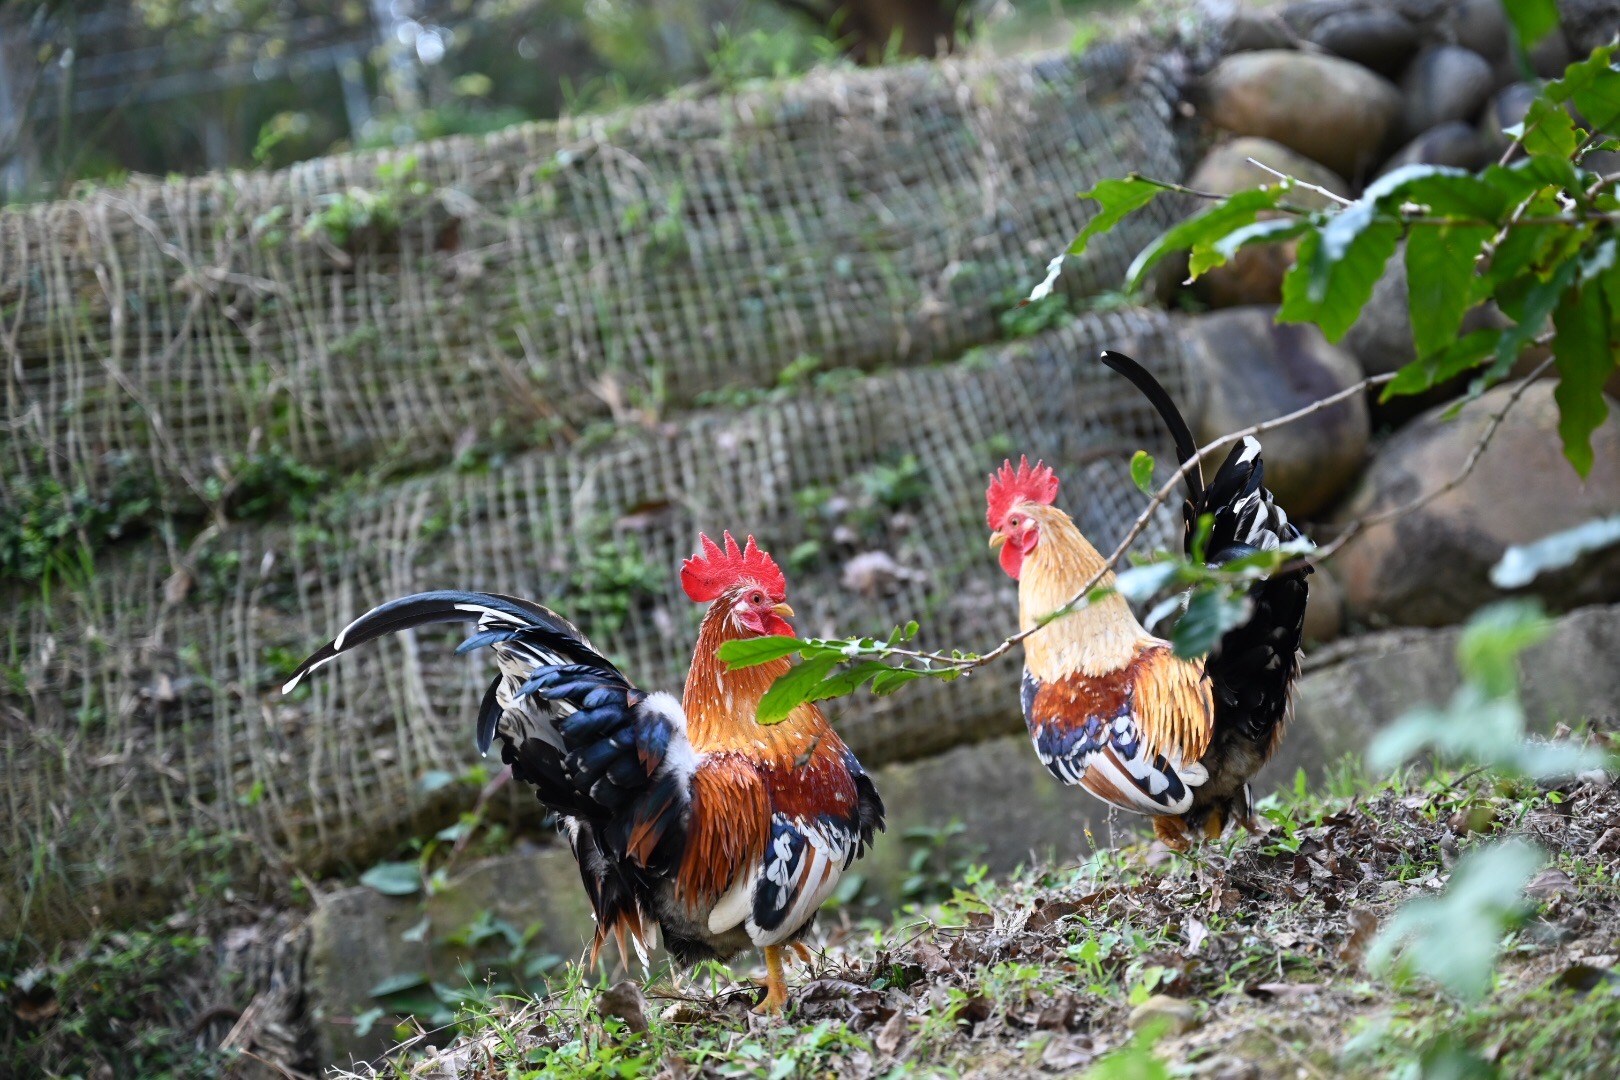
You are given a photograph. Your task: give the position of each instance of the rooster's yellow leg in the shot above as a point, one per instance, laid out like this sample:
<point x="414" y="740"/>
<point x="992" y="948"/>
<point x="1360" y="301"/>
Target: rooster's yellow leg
<point x="1170" y="830"/>
<point x="775" y="984"/>
<point x="1214" y="825"/>
<point x="806" y="957"/>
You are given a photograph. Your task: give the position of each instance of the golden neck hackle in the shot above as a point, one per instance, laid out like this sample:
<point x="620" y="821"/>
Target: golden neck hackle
<point x="722" y="706"/>
<point x="1095" y="640"/>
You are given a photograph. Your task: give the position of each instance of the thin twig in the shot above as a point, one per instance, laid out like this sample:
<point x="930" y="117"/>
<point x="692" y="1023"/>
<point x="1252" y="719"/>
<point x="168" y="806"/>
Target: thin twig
<point x="1327" y="551"/>
<point x="1297" y="182"/>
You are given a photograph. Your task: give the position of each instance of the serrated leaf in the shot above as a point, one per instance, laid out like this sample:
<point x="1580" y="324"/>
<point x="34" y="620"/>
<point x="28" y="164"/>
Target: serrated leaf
<point x="1548" y="130"/>
<point x="1446" y="191"/>
<point x="1594" y="86"/>
<point x="1205" y="257"/>
<point x="1205" y="228"/>
<point x="894" y="679"/>
<point x="1210" y="614"/>
<point x="751" y="652"/>
<point x="1142" y="471"/>
<point x="1584" y="361"/>
<point x="1462" y="355"/>
<point x="1117" y="198"/>
<point x="847" y="681"/>
<point x="1329" y="285"/>
<point x="1531" y="312"/>
<point x="1532" y="19"/>
<point x="394" y="878"/>
<point x="1440" y="282"/>
<point x="793" y="689"/>
<point x="1523" y="563"/>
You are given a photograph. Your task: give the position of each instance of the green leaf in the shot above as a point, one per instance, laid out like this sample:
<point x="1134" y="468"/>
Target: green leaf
<point x="1446" y="191"/>
<point x="1206" y="256"/>
<point x="394" y="878"/>
<point x="396" y="983"/>
<point x="1225" y="216"/>
<point x="1532" y="19"/>
<point x="1584" y="359"/>
<point x="1142" y="471"/>
<point x="894" y="679"/>
<point x="1523" y="563"/>
<point x="751" y="652"/>
<point x="1440" y="282"/>
<point x="1462" y="355"/>
<point x="1118" y="198"/>
<point x="1488" y="650"/>
<point x="1594" y="86"/>
<point x="1538" y="303"/>
<point x="1454" y="939"/>
<point x="1335" y="273"/>
<point x="793" y="689"/>
<point x="1548" y="130"/>
<point x="847" y="681"/>
<point x="1143" y="582"/>
<point x="1210" y="613"/>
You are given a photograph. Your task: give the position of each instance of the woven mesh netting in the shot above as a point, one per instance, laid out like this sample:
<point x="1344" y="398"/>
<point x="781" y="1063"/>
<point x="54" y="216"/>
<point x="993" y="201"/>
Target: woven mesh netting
<point x="871" y="220"/>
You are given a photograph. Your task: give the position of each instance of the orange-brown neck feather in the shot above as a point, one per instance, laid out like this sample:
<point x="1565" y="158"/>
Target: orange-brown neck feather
<point x="722" y="706"/>
<point x="1097" y="639"/>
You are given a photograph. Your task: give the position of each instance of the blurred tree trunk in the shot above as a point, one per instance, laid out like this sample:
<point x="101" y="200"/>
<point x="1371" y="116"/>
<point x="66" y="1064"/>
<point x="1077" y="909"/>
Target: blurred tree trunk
<point x="869" y="28"/>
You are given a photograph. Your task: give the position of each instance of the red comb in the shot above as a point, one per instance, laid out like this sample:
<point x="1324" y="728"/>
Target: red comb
<point x="1037" y="484"/>
<point x="714" y="569"/>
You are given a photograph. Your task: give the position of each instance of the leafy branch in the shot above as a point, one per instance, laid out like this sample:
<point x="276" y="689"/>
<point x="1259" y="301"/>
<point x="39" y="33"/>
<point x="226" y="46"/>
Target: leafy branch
<point x="1536" y="233"/>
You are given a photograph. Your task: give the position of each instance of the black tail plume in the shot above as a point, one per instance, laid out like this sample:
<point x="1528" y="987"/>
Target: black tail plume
<point x="1186" y="448"/>
<point x="454" y="605"/>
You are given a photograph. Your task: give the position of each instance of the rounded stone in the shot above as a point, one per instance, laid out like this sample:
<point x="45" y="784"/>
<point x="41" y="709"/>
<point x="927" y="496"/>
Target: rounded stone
<point x="1171" y="1015"/>
<point x="1376" y="38"/>
<point x="1254" y="369"/>
<point x="1324" y="610"/>
<point x="1481" y="26"/>
<point x="1445" y="82"/>
<point x="1431" y="567"/>
<point x="1333" y="111"/>
<point x="1254" y="275"/>
<point x="1453" y="143"/>
<point x="1506" y="107"/>
<point x="1251" y="31"/>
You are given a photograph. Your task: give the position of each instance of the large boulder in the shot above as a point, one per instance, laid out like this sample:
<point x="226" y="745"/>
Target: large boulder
<point x="1331" y="110"/>
<point x="1431" y="567"/>
<point x="1356" y="686"/>
<point x="1254" y="275"/>
<point x="1453" y="143"/>
<point x="1374" y="37"/>
<point x="1445" y="83"/>
<point x="371" y="952"/>
<point x="1253" y="369"/>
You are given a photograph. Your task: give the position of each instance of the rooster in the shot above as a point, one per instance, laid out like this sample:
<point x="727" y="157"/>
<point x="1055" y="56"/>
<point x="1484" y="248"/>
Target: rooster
<point x="685" y="816"/>
<point x="1109" y="706"/>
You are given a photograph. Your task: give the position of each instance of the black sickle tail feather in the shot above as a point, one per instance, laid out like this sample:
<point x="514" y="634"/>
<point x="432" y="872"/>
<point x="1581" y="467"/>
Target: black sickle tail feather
<point x="576" y="731"/>
<point x="1180" y="433"/>
<point x="1253" y="667"/>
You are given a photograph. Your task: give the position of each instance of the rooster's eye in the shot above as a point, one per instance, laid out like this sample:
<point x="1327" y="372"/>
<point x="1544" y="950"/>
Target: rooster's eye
<point x="756" y="599"/>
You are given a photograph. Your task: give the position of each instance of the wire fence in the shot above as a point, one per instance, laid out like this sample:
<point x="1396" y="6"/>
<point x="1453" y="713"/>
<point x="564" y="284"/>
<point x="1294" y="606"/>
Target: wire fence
<point x="556" y="353"/>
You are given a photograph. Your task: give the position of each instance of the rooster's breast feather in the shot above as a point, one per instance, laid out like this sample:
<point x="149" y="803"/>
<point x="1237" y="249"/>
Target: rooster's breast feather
<point x="1132" y="737"/>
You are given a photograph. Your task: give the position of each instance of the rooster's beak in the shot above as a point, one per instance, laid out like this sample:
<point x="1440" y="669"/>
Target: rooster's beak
<point x="783" y="610"/>
<point x="996" y="540"/>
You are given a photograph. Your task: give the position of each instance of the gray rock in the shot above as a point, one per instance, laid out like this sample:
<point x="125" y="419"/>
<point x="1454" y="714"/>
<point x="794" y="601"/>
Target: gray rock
<point x="1431" y="567"/>
<point x="1324" y="612"/>
<point x="1588" y="23"/>
<point x="1445" y="82"/>
<point x="1172" y="1015"/>
<point x="1255" y="275"/>
<point x="1481" y="26"/>
<point x="1254" y="369"/>
<point x="1453" y="143"/>
<point x="1376" y="38"/>
<point x="1331" y="110"/>
<point x="1358" y="685"/>
<point x="1506" y="108"/>
<point x="1251" y="31"/>
<point x="358" y="942"/>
